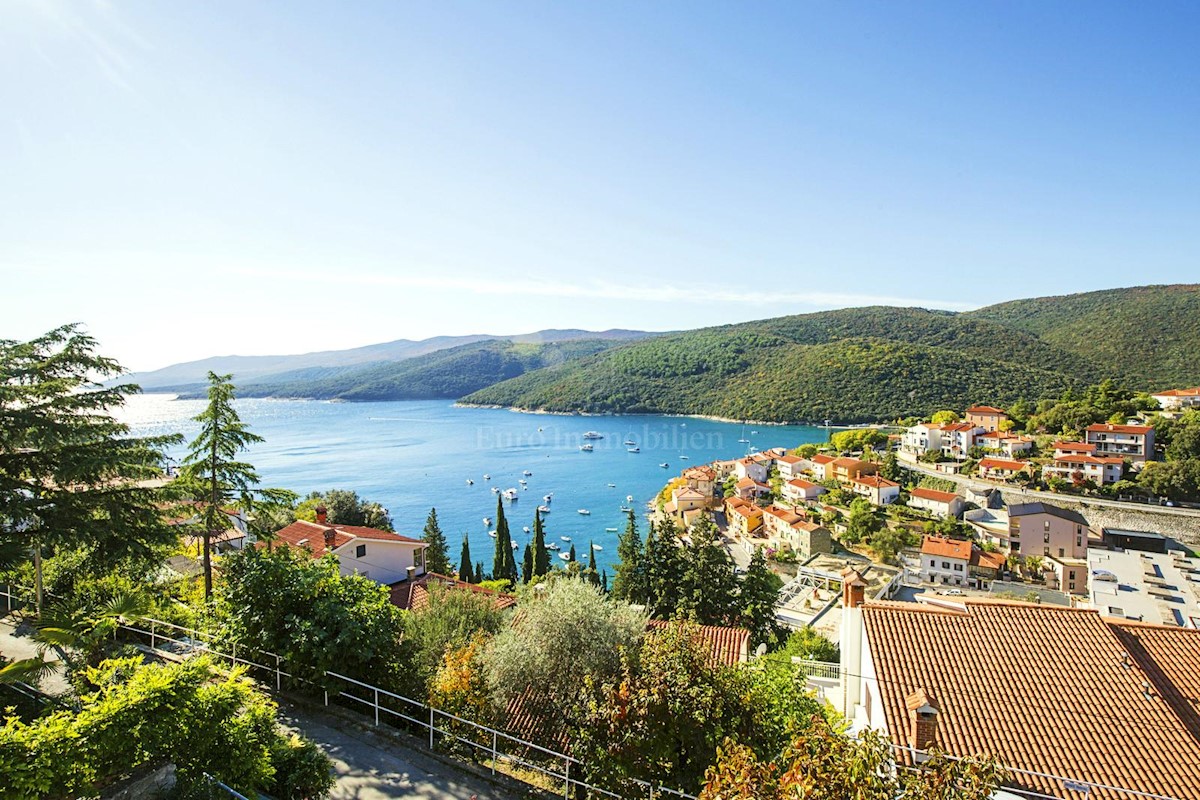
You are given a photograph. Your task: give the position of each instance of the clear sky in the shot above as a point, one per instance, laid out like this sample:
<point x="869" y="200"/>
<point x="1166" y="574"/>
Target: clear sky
<point x="207" y="178"/>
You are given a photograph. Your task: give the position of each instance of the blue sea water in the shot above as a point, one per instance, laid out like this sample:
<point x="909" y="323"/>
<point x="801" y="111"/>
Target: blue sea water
<point x="410" y="456"/>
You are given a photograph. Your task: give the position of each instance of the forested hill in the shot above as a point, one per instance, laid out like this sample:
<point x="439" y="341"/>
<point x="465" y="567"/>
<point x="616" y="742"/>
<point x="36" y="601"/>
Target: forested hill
<point x="853" y="365"/>
<point x="1147" y="336"/>
<point x="448" y="373"/>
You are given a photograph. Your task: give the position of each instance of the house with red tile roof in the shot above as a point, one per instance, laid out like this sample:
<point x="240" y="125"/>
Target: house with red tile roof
<point x="1076" y="469"/>
<point x="808" y="538"/>
<point x="880" y="491"/>
<point x="750" y="468"/>
<point x="1132" y="442"/>
<point x="744" y="518"/>
<point x="1002" y="469"/>
<point x="1062" y="449"/>
<point x="798" y="490"/>
<point x="701" y="478"/>
<point x="1178" y="399"/>
<point x="414" y="595"/>
<point x="940" y="504"/>
<point x="1072" y="702"/>
<point x="749" y="488"/>
<point x="846" y="469"/>
<point x="726" y="646"/>
<point x="959" y="437"/>
<point x="945" y="560"/>
<point x="986" y="417"/>
<point x="383" y="556"/>
<point x="777" y="523"/>
<point x="1004" y="443"/>
<point x="921" y="438"/>
<point x="791" y="466"/>
<point x="820" y="466"/>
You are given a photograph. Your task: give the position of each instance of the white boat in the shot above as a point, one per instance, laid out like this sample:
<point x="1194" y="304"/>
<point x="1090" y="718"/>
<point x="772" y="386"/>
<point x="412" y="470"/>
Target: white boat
<point x="664" y="465"/>
<point x="487" y="521"/>
<point x="470" y="482"/>
<point x="628" y="498"/>
<point x="743" y="441"/>
<point x="553" y="546"/>
<point x="544" y="509"/>
<point x="565" y="538"/>
<point x="526" y="473"/>
<point x="584" y="512"/>
<point x="611" y="530"/>
<point x="634" y="450"/>
<point x="626" y="509"/>
<point x="597" y="547"/>
<point x="630" y="442"/>
<point x="514" y="545"/>
<point x="487" y="477"/>
<point x="683" y="457"/>
<point x="548" y="497"/>
<point x="523" y="481"/>
<point x="526" y="529"/>
<point x="495" y="490"/>
<point x="586" y="448"/>
<point x="593" y="435"/>
<point x="510" y="493"/>
<point x="612" y="486"/>
<point x="492" y="534"/>
<point x="565" y="556"/>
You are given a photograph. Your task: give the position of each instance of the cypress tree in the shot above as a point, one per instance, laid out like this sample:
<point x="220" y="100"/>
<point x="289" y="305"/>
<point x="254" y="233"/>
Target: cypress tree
<point x="593" y="575"/>
<point x="541" y="556"/>
<point x="571" y="560"/>
<point x="503" y="551"/>
<point x="756" y="601"/>
<point x="707" y="586"/>
<point x="527" y="565"/>
<point x="465" y="573"/>
<point x="436" y="558"/>
<point x="604" y="580"/>
<point x="664" y="569"/>
<point x="479" y="576"/>
<point x="629" y="582"/>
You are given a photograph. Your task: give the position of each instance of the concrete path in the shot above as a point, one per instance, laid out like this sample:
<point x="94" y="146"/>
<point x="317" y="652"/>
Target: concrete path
<point x="16" y="644"/>
<point x="373" y="766"/>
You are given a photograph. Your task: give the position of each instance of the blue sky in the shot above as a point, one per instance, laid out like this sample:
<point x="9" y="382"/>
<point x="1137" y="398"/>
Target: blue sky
<point x="194" y="179"/>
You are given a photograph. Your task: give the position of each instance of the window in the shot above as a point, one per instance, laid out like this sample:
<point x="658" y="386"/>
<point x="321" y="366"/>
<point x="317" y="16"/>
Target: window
<point x="945" y="565"/>
<point x="958" y="567"/>
<point x="1046" y="525"/>
<point x="1071" y="586"/>
<point x="1079" y="540"/>
<point x="360" y="551"/>
<point x="1045" y="551"/>
<point x="1061" y="553"/>
<point x="1046" y="536"/>
<point x="932" y="563"/>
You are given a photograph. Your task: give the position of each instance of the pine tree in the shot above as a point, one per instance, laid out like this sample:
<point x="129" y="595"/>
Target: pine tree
<point x="541" y="556"/>
<point x="465" y="572"/>
<point x="756" y="601"/>
<point x="708" y="586"/>
<point x="664" y="569"/>
<point x="527" y="564"/>
<point x="436" y="558"/>
<point x="211" y="471"/>
<point x="629" y="583"/>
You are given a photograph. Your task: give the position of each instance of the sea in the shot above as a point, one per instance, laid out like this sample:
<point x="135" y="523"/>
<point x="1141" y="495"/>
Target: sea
<point x="411" y="456"/>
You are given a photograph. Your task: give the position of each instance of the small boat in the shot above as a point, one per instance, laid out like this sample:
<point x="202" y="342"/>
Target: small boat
<point x="634" y="450"/>
<point x="664" y="465"/>
<point x="612" y="486"/>
<point x="625" y="509"/>
<point x="470" y="482"/>
<point x="743" y="441"/>
<point x="630" y="442"/>
<point x="628" y="498"/>
<point x="610" y="530"/>
<point x="495" y="490"/>
<point x="487" y="521"/>
<point x="586" y="448"/>
<point x="523" y="481"/>
<point x="584" y="512"/>
<point x="593" y="435"/>
<point x="492" y="534"/>
<point x="553" y="546"/>
<point x="548" y="497"/>
<point x="565" y="538"/>
<point x="527" y="473"/>
<point x="684" y="458"/>
<point x="544" y="509"/>
<point x="597" y="547"/>
<point x="565" y="556"/>
<point x="526" y="529"/>
<point x="514" y="545"/>
<point x="487" y="477"/>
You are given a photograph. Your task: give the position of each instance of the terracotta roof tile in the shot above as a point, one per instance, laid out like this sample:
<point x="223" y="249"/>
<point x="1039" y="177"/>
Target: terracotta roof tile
<point x="946" y="547"/>
<point x="934" y="495"/>
<point x="725" y="644"/>
<point x="1046" y="689"/>
<point x="1106" y="428"/>
<point x="986" y="410"/>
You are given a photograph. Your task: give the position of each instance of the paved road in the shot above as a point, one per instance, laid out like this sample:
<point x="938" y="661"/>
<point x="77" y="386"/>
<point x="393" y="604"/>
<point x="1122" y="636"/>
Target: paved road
<point x="16" y="645"/>
<point x="371" y="766"/>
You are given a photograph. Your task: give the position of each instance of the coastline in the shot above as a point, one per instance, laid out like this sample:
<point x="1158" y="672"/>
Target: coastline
<point x="709" y="417"/>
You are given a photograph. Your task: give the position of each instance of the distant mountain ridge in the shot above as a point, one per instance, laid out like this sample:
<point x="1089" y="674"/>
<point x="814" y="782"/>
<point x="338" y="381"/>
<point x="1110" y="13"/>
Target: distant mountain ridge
<point x="880" y="363"/>
<point x="247" y="369"/>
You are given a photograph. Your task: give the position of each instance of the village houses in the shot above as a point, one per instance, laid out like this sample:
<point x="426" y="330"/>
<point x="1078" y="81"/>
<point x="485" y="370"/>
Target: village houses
<point x="989" y="418"/>
<point x="878" y="490"/>
<point x="383" y="556"/>
<point x="939" y="504"/>
<point x="1132" y="442"/>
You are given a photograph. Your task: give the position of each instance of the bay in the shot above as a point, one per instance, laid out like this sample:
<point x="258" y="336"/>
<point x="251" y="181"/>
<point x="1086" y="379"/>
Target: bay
<point x="410" y="456"/>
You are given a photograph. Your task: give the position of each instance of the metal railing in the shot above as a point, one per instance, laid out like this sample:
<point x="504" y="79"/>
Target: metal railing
<point x="818" y="669"/>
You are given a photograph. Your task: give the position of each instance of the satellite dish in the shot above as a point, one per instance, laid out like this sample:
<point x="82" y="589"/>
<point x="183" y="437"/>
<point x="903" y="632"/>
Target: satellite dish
<point x="761" y="650"/>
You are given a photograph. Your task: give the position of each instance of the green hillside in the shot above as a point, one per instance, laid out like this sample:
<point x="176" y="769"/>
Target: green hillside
<point x="1147" y="336"/>
<point x="449" y="373"/>
<point x="853" y="365"/>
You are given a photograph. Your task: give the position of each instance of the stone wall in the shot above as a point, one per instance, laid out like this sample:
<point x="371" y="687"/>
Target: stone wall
<point x="1177" y="524"/>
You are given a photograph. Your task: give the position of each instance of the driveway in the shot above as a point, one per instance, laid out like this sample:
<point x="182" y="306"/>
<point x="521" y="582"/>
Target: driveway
<point x="373" y="766"/>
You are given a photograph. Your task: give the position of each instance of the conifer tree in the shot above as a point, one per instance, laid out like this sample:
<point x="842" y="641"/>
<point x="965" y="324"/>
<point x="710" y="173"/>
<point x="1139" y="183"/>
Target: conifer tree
<point x="465" y="572"/>
<point x="707" y="587"/>
<point x="664" y="569"/>
<point x="629" y="582"/>
<point x="756" y="601"/>
<point x="527" y="564"/>
<point x="211" y="471"/>
<point x="503" y="551"/>
<point x="436" y="558"/>
<point x="480" y="577"/>
<point x="541" y="556"/>
<point x="571" y="559"/>
<point x="604" y="580"/>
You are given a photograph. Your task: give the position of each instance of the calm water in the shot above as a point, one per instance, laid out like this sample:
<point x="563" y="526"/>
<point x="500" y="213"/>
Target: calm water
<point x="413" y="455"/>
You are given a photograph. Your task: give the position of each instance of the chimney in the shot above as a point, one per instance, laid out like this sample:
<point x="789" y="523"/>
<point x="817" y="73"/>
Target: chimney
<point x="412" y="571"/>
<point x="330" y="533"/>
<point x="922" y="722"/>
<point x="321" y="515"/>
<point x="854" y="588"/>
